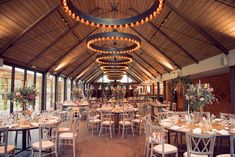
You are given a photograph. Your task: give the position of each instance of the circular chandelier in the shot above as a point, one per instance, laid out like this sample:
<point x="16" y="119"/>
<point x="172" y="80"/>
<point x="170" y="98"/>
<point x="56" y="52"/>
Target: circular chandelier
<point x="107" y="36"/>
<point x="114" y="72"/>
<point x="115" y="77"/>
<point x="114" y="67"/>
<point x="141" y="18"/>
<point x="113" y="59"/>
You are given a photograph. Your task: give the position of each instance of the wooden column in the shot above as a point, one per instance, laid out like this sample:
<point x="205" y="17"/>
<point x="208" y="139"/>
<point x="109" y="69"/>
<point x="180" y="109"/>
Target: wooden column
<point x="153" y="88"/>
<point x="164" y="90"/>
<point x="71" y="89"/>
<point x="25" y="77"/>
<point x="12" y="87"/>
<point x="56" y="91"/>
<point x="232" y="86"/>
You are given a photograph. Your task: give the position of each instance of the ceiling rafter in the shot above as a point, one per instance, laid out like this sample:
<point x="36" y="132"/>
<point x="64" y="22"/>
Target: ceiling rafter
<point x="159" y="50"/>
<point x="98" y="73"/>
<point x="56" y="40"/>
<point x="89" y="74"/>
<point x="86" y="67"/>
<point x="136" y="71"/>
<point x="144" y="67"/>
<point x="170" y="39"/>
<point x="133" y="77"/>
<point x="93" y="73"/>
<point x="138" y="76"/>
<point x="67" y="52"/>
<point x="163" y="66"/>
<point x="84" y="61"/>
<point x="12" y="42"/>
<point x="148" y="63"/>
<point x="197" y="28"/>
<point x="95" y="77"/>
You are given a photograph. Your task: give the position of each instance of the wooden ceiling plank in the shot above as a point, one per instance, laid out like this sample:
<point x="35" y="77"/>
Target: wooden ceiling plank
<point x="144" y="67"/>
<point x="147" y="63"/>
<point x="133" y="77"/>
<point x="67" y="52"/>
<point x="144" y="76"/>
<point x="169" y="38"/>
<point x="84" y="61"/>
<point x="163" y="53"/>
<point x="164" y="67"/>
<point x="90" y="74"/>
<point x="10" y="44"/>
<point x="57" y="40"/>
<point x="197" y="28"/>
<point x="86" y="67"/>
<point x="95" y="78"/>
<point x="138" y="76"/>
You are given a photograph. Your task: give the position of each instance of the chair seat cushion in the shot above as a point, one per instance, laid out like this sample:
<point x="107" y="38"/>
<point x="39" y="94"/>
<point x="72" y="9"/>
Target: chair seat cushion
<point x="45" y="145"/>
<point x="168" y="148"/>
<point x="10" y="148"/>
<point x="194" y="155"/>
<point x="66" y="135"/>
<point x="94" y="121"/>
<point x="107" y="122"/>
<point x="63" y="129"/>
<point x="126" y="123"/>
<point x="223" y="155"/>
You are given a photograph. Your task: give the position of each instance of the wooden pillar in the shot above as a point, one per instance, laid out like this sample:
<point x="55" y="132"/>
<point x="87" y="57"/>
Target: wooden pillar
<point x="12" y="87"/>
<point x="153" y="88"/>
<point x="164" y="90"/>
<point x="71" y="89"/>
<point x="44" y="91"/>
<point x="25" y="77"/>
<point x="56" y="91"/>
<point x="232" y="86"/>
<point x="34" y="82"/>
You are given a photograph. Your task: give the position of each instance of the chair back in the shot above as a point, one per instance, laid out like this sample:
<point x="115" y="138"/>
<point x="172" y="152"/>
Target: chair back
<point x="106" y="115"/>
<point x="161" y="115"/>
<point x="174" y="106"/>
<point x="4" y="138"/>
<point x="146" y="121"/>
<point x="75" y="126"/>
<point x="200" y="144"/>
<point x="156" y="134"/>
<point x="127" y="115"/>
<point x="232" y="140"/>
<point x="48" y="132"/>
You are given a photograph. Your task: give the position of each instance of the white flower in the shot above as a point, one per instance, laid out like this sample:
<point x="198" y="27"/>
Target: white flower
<point x="202" y="99"/>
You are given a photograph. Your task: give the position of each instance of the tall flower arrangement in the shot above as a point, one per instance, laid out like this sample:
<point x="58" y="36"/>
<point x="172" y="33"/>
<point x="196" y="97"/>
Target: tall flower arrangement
<point x="199" y="95"/>
<point x="24" y="96"/>
<point x="77" y="93"/>
<point x="118" y="92"/>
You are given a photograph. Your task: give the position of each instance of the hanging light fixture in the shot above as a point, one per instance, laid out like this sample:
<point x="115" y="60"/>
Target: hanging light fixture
<point x="114" y="23"/>
<point x="93" y="40"/>
<point x="114" y="67"/>
<point x="114" y="72"/>
<point x="114" y="59"/>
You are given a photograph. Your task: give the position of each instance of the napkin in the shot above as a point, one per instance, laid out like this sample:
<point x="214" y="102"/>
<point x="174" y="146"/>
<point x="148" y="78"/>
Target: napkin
<point x="34" y="124"/>
<point x="197" y="131"/>
<point x="223" y="132"/>
<point x="12" y="125"/>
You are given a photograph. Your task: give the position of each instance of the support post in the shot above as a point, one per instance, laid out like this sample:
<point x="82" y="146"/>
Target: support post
<point x="56" y="91"/>
<point x="232" y="86"/>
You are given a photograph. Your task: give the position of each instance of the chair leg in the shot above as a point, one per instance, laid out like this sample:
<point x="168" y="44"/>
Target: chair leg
<point x="110" y="130"/>
<point x="56" y="153"/>
<point x="132" y="128"/>
<point x="16" y="138"/>
<point x="101" y="127"/>
<point x="32" y="153"/>
<point x="74" y="150"/>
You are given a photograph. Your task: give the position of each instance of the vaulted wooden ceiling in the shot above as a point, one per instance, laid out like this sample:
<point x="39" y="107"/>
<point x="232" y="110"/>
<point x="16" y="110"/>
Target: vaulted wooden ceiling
<point x="39" y="34"/>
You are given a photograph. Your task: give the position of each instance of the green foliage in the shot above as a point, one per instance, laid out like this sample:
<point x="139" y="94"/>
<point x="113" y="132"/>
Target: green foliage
<point x="184" y="80"/>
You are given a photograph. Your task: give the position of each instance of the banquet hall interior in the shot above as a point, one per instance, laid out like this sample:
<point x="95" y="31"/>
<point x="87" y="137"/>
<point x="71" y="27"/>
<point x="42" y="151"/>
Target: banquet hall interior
<point x="120" y="78"/>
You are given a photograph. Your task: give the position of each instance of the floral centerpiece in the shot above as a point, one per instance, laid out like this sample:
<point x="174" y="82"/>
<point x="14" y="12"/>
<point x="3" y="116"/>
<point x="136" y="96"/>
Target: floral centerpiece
<point x="77" y="93"/>
<point x="118" y="92"/>
<point x="89" y="93"/>
<point x="198" y="96"/>
<point x="136" y="92"/>
<point x="24" y="96"/>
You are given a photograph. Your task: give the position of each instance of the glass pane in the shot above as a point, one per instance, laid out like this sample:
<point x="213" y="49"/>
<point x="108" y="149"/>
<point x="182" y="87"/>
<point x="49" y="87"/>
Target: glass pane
<point x="38" y="102"/>
<point x="30" y="78"/>
<point x="61" y="89"/>
<point x="19" y="78"/>
<point x="50" y="92"/>
<point x="68" y="89"/>
<point x="5" y="87"/>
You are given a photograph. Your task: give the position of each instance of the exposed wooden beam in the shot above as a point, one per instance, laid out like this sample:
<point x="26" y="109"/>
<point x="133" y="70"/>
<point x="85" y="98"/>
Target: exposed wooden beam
<point x="163" y="66"/>
<point x="84" y="61"/>
<point x="96" y="77"/>
<point x="138" y="76"/>
<point x="170" y="39"/>
<point x="86" y="67"/>
<point x="139" y="73"/>
<point x="90" y="73"/>
<point x="97" y="74"/>
<point x="158" y="49"/>
<point x="133" y="77"/>
<point x="56" y="41"/>
<point x="144" y="67"/>
<point x="148" y="64"/>
<point x="67" y="52"/>
<point x="197" y="28"/>
<point x="12" y="42"/>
